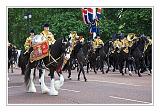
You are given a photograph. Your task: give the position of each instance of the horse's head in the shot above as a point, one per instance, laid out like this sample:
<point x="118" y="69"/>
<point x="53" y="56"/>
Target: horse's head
<point x="66" y="45"/>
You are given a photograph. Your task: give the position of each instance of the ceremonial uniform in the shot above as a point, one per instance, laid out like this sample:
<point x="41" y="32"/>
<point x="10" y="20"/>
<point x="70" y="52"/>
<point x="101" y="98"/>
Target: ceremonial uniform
<point x="48" y="35"/>
<point x="147" y="44"/>
<point x="117" y="43"/>
<point x="28" y="42"/>
<point x="126" y="44"/>
<point x="98" y="43"/>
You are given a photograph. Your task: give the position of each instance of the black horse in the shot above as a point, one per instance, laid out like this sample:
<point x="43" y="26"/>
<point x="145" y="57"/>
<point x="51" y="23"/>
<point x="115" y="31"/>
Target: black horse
<point x="91" y="58"/>
<point x="54" y="62"/>
<point x="103" y="55"/>
<point x="148" y="59"/>
<point x="12" y="57"/>
<point x="137" y="52"/>
<point x="79" y="53"/>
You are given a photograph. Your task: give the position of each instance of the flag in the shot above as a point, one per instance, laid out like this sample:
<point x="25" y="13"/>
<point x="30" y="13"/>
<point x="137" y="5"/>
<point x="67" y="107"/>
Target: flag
<point x="90" y="14"/>
<point x="99" y="10"/>
<point x="85" y="16"/>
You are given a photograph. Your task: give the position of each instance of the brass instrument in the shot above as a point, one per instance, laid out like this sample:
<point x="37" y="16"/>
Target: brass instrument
<point x="131" y="37"/>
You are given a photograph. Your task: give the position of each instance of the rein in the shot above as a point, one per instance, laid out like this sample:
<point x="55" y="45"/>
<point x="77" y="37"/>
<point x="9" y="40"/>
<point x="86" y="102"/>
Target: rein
<point x="54" y="60"/>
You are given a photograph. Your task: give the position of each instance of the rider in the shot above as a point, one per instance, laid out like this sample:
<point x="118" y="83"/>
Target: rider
<point x="117" y="43"/>
<point x="28" y="42"/>
<point x="98" y="43"/>
<point x="47" y="34"/>
<point x="78" y="45"/>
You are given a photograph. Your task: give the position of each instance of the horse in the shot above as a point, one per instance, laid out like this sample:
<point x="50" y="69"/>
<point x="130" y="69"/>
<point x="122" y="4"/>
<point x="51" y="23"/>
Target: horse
<point x="58" y="52"/>
<point x="91" y="58"/>
<point x="148" y="58"/>
<point x="12" y="57"/>
<point x="78" y="53"/>
<point x="137" y="52"/>
<point x="103" y="54"/>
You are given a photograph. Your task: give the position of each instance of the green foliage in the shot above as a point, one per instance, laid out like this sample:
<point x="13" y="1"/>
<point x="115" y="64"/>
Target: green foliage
<point x="64" y="20"/>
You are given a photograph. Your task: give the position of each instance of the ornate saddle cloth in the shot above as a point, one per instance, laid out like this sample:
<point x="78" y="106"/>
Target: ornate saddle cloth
<point x="40" y="50"/>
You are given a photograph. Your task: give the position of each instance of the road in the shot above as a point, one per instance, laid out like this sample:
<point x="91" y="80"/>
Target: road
<point x="102" y="89"/>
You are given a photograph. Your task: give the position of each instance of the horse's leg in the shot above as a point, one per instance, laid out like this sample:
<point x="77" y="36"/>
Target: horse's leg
<point x="121" y="67"/>
<point x="44" y="88"/>
<point x="79" y="74"/>
<point x="94" y="69"/>
<point x="108" y="64"/>
<point x="31" y="86"/>
<point x="52" y="91"/>
<point x="69" y="72"/>
<point x="82" y="69"/>
<point x="87" y="67"/>
<point x="102" y="66"/>
<point x="129" y="64"/>
<point x="59" y="83"/>
<point x="138" y="67"/>
<point x="12" y="66"/>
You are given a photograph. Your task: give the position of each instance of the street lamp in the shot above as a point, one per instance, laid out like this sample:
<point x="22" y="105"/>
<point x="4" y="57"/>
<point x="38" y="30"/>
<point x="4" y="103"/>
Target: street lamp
<point x="28" y="17"/>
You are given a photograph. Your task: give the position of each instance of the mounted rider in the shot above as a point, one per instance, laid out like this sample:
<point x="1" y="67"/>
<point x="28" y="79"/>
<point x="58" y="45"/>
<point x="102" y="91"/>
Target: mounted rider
<point x="47" y="34"/>
<point x="41" y="43"/>
<point x="98" y="44"/>
<point x="117" y="43"/>
<point x="28" y="42"/>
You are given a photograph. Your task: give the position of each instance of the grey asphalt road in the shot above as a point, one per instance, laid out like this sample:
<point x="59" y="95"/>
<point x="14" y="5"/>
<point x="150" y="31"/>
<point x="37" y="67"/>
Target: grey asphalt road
<point x="102" y="89"/>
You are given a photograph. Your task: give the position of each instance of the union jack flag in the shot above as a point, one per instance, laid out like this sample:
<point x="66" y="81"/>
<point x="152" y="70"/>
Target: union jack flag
<point x="99" y="10"/>
<point x="85" y="16"/>
<point x="90" y="14"/>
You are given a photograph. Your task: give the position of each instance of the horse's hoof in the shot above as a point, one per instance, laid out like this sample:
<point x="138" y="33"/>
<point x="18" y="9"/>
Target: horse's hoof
<point x="140" y="75"/>
<point x="53" y="93"/>
<point x="85" y="80"/>
<point x="130" y="74"/>
<point x="45" y="90"/>
<point x="78" y="79"/>
<point x="31" y="91"/>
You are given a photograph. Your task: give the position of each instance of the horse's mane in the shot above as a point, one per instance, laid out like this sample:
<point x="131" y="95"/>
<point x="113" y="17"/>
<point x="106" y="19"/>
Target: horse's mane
<point x="57" y="49"/>
<point x="138" y="45"/>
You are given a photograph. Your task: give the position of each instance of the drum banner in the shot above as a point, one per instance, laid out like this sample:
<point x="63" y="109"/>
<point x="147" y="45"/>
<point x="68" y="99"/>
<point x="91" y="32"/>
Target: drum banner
<point x="40" y="51"/>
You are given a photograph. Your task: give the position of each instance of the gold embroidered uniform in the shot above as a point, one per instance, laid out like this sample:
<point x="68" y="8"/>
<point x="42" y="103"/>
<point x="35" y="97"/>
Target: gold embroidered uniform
<point x="97" y="43"/>
<point x="49" y="36"/>
<point x="28" y="43"/>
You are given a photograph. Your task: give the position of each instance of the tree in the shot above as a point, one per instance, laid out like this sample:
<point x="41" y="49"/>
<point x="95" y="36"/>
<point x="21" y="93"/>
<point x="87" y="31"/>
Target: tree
<point x="64" y="20"/>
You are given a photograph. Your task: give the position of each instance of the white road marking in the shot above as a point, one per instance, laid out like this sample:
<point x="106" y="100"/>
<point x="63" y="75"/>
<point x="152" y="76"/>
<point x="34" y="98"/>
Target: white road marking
<point x="39" y="85"/>
<point x="116" y="83"/>
<point x="14" y="87"/>
<point x="120" y="98"/>
<point x="70" y="90"/>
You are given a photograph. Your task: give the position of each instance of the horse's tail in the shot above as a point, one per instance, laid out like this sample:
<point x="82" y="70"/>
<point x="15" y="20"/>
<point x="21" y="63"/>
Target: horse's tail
<point x="27" y="75"/>
<point x="20" y="61"/>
